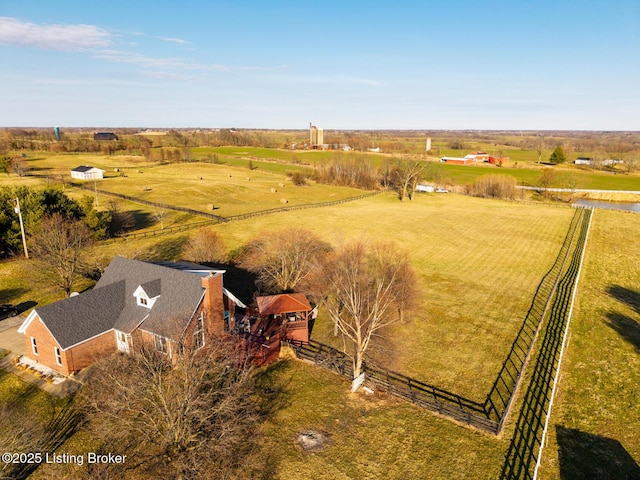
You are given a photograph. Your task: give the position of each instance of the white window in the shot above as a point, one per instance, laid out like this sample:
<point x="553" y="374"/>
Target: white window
<point x="198" y="333"/>
<point x="160" y="343"/>
<point x="56" y="350"/>
<point x="34" y="346"/>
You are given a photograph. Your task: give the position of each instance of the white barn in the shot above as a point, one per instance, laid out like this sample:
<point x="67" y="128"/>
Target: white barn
<point x="85" y="172"/>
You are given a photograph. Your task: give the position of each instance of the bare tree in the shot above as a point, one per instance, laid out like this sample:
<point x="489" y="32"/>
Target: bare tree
<point x="19" y="166"/>
<point x="205" y="246"/>
<point x="160" y="214"/>
<point x="60" y="245"/>
<point x="184" y="417"/>
<point x="284" y="260"/>
<point x="368" y="287"/>
<point x="405" y="175"/>
<point x="540" y="150"/>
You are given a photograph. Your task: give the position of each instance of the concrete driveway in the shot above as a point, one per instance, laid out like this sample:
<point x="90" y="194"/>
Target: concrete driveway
<point x="14" y="342"/>
<point x="10" y="339"/>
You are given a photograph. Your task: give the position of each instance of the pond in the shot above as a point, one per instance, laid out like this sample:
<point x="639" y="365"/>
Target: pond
<point x="628" y="206"/>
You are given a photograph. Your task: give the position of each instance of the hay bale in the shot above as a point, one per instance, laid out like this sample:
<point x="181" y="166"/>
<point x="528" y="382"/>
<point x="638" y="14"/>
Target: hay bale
<point x="281" y="185"/>
<point x="210" y="206"/>
<point x="273" y="190"/>
<point x="284" y="200"/>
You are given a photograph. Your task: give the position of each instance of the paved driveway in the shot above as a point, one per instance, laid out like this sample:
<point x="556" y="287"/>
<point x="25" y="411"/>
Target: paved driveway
<point x="10" y="339"/>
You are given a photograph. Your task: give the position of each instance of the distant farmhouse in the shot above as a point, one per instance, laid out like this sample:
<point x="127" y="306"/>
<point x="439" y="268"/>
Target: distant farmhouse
<point x="608" y="162"/>
<point x="86" y="172"/>
<point x="583" y="161"/>
<point x="167" y="307"/>
<point x="105" y="136"/>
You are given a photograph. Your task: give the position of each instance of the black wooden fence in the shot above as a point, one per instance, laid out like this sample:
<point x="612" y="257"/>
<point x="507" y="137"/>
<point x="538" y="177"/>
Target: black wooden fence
<point x="423" y="394"/>
<point x="527" y="438"/>
<point x="502" y="392"/>
<point x="491" y="414"/>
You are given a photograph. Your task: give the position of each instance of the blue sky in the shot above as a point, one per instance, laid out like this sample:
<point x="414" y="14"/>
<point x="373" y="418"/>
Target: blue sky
<point x="571" y="65"/>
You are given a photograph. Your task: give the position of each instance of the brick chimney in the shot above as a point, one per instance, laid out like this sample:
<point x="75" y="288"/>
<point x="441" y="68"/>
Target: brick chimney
<point x="213" y="302"/>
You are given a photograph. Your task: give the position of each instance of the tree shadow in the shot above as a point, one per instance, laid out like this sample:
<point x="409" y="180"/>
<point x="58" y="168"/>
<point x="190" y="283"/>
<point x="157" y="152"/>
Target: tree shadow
<point x="239" y="281"/>
<point x="625" y="295"/>
<point x="168" y="249"/>
<point x="142" y="219"/>
<point x="584" y="455"/>
<point x="64" y="421"/>
<point x="626" y="327"/>
<point x="8" y="294"/>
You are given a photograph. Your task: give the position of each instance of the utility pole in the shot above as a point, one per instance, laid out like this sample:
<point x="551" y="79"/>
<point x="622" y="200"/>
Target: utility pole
<point x="24" y="239"/>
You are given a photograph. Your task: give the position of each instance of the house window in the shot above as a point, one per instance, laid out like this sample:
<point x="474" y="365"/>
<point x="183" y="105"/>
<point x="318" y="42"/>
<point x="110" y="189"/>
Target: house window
<point x="142" y="301"/>
<point x="198" y="333"/>
<point x="34" y="346"/>
<point x="56" y="350"/>
<point x="160" y="343"/>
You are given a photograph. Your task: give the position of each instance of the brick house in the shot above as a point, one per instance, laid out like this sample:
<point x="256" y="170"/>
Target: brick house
<point x="134" y="301"/>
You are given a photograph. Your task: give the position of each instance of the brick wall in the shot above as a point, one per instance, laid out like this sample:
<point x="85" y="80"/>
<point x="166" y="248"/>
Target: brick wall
<point x="86" y="353"/>
<point x="72" y="359"/>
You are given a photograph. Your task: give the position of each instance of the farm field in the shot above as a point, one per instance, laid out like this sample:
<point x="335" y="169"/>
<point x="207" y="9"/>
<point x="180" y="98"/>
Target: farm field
<point x="479" y="263"/>
<point x="593" y="428"/>
<point x="199" y="186"/>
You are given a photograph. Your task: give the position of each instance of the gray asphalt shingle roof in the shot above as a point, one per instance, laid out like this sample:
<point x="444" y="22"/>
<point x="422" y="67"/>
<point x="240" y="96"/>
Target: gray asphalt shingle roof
<point x="111" y="303"/>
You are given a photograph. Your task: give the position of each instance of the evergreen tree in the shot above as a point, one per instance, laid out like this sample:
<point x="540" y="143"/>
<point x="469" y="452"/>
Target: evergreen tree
<point x="558" y="156"/>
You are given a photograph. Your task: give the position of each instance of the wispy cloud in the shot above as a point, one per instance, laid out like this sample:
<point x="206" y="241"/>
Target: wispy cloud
<point x="54" y="37"/>
<point x="102" y="44"/>
<point x="179" y="41"/>
<point x="330" y="80"/>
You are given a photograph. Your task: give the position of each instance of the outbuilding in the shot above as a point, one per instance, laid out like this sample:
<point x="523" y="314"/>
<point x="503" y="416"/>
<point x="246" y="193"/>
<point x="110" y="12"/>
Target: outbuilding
<point x="86" y="172"/>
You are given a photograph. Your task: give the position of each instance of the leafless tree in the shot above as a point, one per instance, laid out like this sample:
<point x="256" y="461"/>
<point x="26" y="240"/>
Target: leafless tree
<point x="368" y="286"/>
<point x="540" y="150"/>
<point x="205" y="246"/>
<point x="283" y="260"/>
<point x="18" y="166"/>
<point x="160" y="214"/>
<point x="184" y="417"/>
<point x="60" y="245"/>
<point x="405" y="175"/>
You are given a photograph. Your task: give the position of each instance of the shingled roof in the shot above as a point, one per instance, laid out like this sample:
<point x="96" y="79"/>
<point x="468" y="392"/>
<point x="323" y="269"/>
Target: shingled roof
<point x="283" y="303"/>
<point x="111" y="304"/>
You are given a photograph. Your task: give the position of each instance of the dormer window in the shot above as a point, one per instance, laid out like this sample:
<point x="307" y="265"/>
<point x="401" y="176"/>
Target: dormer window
<point x="147" y="294"/>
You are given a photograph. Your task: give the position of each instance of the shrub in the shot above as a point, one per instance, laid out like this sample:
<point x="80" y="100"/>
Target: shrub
<point x="494" y="186"/>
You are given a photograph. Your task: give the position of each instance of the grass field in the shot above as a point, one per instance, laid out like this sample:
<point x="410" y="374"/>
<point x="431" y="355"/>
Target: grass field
<point x="370" y="437"/>
<point x="479" y="263"/>
<point x="593" y="432"/>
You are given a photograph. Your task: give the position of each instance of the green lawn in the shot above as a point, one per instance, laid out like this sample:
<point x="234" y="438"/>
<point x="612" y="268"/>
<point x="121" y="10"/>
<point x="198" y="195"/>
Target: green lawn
<point x="479" y="263"/>
<point x="593" y="431"/>
<point x="370" y="437"/>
